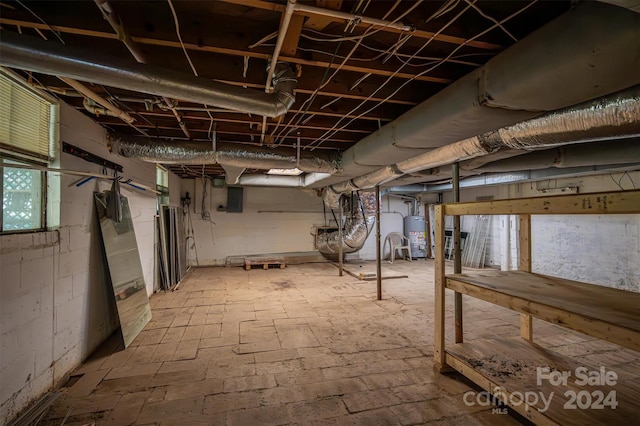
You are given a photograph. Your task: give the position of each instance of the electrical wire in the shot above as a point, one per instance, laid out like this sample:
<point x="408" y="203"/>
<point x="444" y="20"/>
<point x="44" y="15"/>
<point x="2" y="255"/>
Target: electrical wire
<point x="307" y="104"/>
<point x="186" y="54"/>
<point x="324" y="136"/>
<point x="192" y="235"/>
<point x="492" y="19"/>
<point x="56" y="33"/>
<point x="328" y="133"/>
<point x="619" y="181"/>
<point x="184" y="49"/>
<point x="454" y="59"/>
<point x="368" y="32"/>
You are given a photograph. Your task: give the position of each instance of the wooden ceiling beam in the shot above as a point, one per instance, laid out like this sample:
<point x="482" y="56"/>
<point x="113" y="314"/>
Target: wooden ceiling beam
<point x="290" y="44"/>
<point x="110" y="122"/>
<point x="225" y="51"/>
<point x="328" y="94"/>
<point x="320" y="22"/>
<point x="185" y="116"/>
<point x="258" y="4"/>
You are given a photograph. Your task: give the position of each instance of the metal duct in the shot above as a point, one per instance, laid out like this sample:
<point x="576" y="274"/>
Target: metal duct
<point x="227" y="154"/>
<point x="615" y="116"/>
<point x="606" y="118"/>
<point x="32" y="54"/>
<point x="589" y="52"/>
<point x="605" y="153"/>
<point x="356" y="230"/>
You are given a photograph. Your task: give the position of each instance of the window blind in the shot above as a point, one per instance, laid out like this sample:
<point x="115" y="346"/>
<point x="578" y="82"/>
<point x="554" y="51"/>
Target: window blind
<point x="25" y="120"/>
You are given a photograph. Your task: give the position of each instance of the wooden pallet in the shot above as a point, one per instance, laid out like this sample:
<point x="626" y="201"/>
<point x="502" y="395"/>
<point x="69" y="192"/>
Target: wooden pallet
<point x="248" y="263"/>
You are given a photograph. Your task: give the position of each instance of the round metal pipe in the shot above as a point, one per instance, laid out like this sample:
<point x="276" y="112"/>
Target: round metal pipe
<point x="31" y="54"/>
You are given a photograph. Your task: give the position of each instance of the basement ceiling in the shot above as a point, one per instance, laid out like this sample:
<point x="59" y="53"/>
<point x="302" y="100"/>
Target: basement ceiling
<point x="352" y="77"/>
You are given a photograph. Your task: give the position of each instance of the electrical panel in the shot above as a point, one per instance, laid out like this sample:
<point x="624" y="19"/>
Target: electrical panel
<point x="234" y="199"/>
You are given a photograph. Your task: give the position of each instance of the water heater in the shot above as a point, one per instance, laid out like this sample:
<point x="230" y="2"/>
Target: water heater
<point x="415" y="229"/>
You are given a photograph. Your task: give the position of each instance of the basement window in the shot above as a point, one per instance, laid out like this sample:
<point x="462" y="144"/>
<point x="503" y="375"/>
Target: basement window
<point x="162" y="186"/>
<point x="28" y="128"/>
<point x="285" y="172"/>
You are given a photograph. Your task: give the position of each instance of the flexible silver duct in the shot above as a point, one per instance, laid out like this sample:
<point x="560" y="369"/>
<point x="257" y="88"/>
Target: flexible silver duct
<point x="32" y="54"/>
<point x="604" y="153"/>
<point x="228" y="154"/>
<point x="356" y="230"/>
<point x="607" y="118"/>
<point x="615" y="116"/>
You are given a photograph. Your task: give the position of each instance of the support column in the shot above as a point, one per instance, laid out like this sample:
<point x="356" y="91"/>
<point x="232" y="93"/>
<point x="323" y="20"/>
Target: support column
<point x="378" y="250"/>
<point x="524" y="240"/>
<point x="340" y="267"/>
<point x="457" y="255"/>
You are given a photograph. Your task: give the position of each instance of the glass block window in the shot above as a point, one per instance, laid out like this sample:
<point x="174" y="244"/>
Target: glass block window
<point x="22" y="198"/>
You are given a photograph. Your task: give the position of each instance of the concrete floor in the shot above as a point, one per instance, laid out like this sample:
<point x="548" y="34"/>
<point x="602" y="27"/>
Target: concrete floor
<point x="297" y="346"/>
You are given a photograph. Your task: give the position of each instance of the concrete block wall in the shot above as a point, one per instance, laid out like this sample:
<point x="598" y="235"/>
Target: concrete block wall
<point x="273" y="220"/>
<point x="392" y="214"/>
<point x="55" y="303"/>
<point x="598" y="249"/>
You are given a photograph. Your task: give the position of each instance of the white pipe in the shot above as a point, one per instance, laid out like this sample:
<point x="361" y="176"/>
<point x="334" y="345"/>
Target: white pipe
<point x="352" y="17"/>
<point x="81" y="88"/>
<point x="286" y="19"/>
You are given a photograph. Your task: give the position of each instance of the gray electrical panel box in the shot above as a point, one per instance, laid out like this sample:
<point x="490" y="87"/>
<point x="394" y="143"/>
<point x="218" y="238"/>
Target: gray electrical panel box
<point x="234" y="199"/>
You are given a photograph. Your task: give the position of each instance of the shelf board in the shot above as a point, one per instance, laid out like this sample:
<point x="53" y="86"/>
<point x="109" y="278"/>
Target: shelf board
<point x="603" y="312"/>
<point x="617" y="202"/>
<point x="511" y="364"/>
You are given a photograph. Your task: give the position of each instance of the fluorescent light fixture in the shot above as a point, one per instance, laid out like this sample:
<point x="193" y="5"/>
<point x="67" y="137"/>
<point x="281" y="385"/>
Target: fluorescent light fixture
<point x="285" y="172"/>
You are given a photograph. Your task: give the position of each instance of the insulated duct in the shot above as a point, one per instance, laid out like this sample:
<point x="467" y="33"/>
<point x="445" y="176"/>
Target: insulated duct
<point x="615" y="116"/>
<point x="356" y="229"/>
<point x="604" y="153"/>
<point x="589" y="52"/>
<point x="32" y="54"/>
<point x="226" y="154"/>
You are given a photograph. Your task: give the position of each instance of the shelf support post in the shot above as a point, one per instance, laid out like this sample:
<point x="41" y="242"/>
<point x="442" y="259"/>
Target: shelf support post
<point x="378" y="252"/>
<point x="457" y="253"/>
<point x="524" y="240"/>
<point x="439" y="363"/>
<point x="340" y="255"/>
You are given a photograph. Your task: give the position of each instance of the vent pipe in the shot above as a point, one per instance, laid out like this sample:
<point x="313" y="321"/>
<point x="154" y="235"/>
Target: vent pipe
<point x="226" y="154"/>
<point x="611" y="117"/>
<point x="31" y="54"/>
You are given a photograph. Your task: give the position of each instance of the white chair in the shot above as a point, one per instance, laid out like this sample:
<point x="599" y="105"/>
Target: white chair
<point x="397" y="241"/>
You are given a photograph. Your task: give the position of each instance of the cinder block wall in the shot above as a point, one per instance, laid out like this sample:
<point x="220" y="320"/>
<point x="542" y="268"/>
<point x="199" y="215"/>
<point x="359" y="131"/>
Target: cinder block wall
<point x="55" y="305"/>
<point x="598" y="249"/>
<point x="273" y="220"/>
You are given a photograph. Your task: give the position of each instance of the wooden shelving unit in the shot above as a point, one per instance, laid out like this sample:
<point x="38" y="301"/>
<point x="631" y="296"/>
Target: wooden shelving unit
<point x="511" y="364"/>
